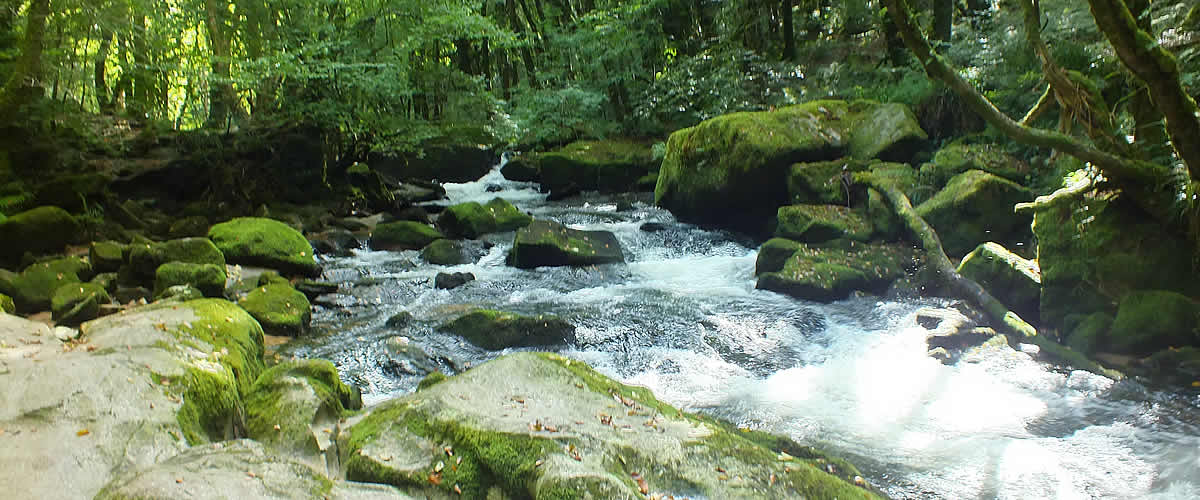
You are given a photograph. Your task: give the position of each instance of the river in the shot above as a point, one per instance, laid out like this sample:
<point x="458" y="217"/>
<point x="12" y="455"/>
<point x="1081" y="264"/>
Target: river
<point x="682" y="318"/>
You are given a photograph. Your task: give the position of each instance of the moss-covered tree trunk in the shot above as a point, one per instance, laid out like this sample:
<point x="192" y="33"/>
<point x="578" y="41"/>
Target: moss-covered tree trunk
<point x="23" y="84"/>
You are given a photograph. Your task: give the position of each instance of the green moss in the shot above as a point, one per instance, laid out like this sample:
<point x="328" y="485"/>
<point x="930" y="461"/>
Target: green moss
<point x="6" y="305"/>
<point x="211" y="408"/>
<point x="272" y="278"/>
<point x="472" y="220"/>
<point x="823" y="182"/>
<point x="232" y="333"/>
<point x="1088" y="335"/>
<point x="834" y="271"/>
<point x="403" y="235"/>
<point x="258" y="241"/>
<point x="279" y="308"/>
<point x="818" y="223"/>
<point x="33" y="289"/>
<point x="275" y="401"/>
<point x="106" y="256"/>
<point x="431" y="380"/>
<point x="608" y="165"/>
<point x="37" y="231"/>
<point x="443" y="253"/>
<point x="773" y="254"/>
<point x="208" y="278"/>
<point x="495" y="330"/>
<point x="973" y="208"/>
<point x="75" y="303"/>
<point x="1149" y="320"/>
<point x="1016" y="282"/>
<point x="548" y="243"/>
<point x="146" y="258"/>
<point x="508" y="217"/>
<point x="960" y="157"/>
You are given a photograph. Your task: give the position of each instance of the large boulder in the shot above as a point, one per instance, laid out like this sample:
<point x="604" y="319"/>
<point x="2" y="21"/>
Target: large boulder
<point x="107" y="256"/>
<point x="820" y="223"/>
<point x="548" y="243"/>
<point x="495" y="330"/>
<point x="608" y="165"/>
<point x="832" y="272"/>
<point x="208" y="278"/>
<point x="403" y="235"/>
<point x="33" y="288"/>
<point x="732" y="170"/>
<point x="75" y="303"/>
<point x="296" y="407"/>
<point x="472" y="220"/>
<point x="38" y="231"/>
<point x="1015" y="281"/>
<point x="146" y="258"/>
<point x="257" y="241"/>
<point x="956" y="158"/>
<point x="241" y="469"/>
<point x="1149" y="320"/>
<point x="148" y="383"/>
<point x="279" y="308"/>
<point x="976" y="207"/>
<point x="464" y="434"/>
<point x="444" y="253"/>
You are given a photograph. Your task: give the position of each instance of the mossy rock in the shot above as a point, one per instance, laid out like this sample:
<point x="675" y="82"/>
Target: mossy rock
<point x="732" y="170"/>
<point x="832" y="272"/>
<point x="106" y="256"/>
<point x="75" y="303"/>
<point x="495" y="330"/>
<point x="523" y="168"/>
<point x="1015" y="281"/>
<point x="313" y="289"/>
<point x="208" y="278"/>
<point x="38" y="231"/>
<point x="1150" y="320"/>
<point x="976" y="207"/>
<point x="7" y="306"/>
<point x="145" y="258"/>
<point x="825" y="182"/>
<point x="548" y="243"/>
<point x="257" y="241"/>
<point x="293" y="403"/>
<point x="773" y="254"/>
<point x="180" y="293"/>
<point x="819" y="223"/>
<point x="1088" y="335"/>
<point x="271" y="278"/>
<point x="566" y="450"/>
<point x="959" y="157"/>
<point x="472" y="220"/>
<point x="444" y="253"/>
<point x="1094" y="251"/>
<point x="403" y="235"/>
<point x="33" y="289"/>
<point x="279" y="308"/>
<point x="611" y="165"/>
<point x="187" y="227"/>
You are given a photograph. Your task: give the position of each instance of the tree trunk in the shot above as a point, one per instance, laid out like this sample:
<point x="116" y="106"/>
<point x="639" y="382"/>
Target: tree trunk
<point x="221" y="97"/>
<point x="789" y="34"/>
<point x="24" y="83"/>
<point x="943" y="19"/>
<point x="103" y="98"/>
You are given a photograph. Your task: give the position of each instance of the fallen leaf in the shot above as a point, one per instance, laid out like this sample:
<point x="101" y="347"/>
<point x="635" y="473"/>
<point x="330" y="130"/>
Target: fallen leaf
<point x="251" y="474"/>
<point x="82" y="432"/>
<point x="641" y="482"/>
<point x="435" y="479"/>
<point x="457" y="489"/>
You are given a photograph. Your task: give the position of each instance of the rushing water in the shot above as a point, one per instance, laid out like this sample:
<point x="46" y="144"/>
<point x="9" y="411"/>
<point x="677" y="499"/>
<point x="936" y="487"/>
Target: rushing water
<point x="682" y="317"/>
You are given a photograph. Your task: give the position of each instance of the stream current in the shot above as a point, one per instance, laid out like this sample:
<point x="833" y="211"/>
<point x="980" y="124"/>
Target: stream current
<point x="682" y="317"/>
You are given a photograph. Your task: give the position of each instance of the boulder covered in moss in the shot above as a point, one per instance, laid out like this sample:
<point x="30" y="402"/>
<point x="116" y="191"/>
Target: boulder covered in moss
<point x="146" y="258"/>
<point x="472" y="220"/>
<point x="976" y="207"/>
<point x="279" y="308"/>
<point x="1087" y="335"/>
<point x="495" y="330"/>
<point x="38" y="231"/>
<point x="1150" y="320"/>
<point x="732" y="170"/>
<point x="548" y="243"/>
<point x="208" y="278"/>
<point x="34" y="287"/>
<point x="242" y="469"/>
<point x="611" y="165"/>
<point x="1015" y="281"/>
<point x="295" y="407"/>
<point x="403" y="235"/>
<point x="75" y="303"/>
<point x="257" y="241"/>
<point x="444" y="253"/>
<point x="956" y="158"/>
<point x="150" y="383"/>
<point x="773" y="254"/>
<point x="825" y="273"/>
<point x="825" y="182"/>
<point x="819" y="223"/>
<point x="7" y="306"/>
<point x="106" y="256"/>
<point x="462" y="434"/>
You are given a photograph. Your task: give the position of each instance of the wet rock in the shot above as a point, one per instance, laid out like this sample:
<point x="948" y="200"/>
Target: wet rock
<point x="521" y="168"/>
<point x="399" y="320"/>
<point x="832" y="272"/>
<point x="405" y="358"/>
<point x="335" y="242"/>
<point x="502" y="427"/>
<point x="296" y="406"/>
<point x="495" y="330"/>
<point x="444" y="253"/>
<point x="548" y="243"/>
<point x="613" y="165"/>
<point x="242" y="469"/>
<point x="279" y="308"/>
<point x="493" y="188"/>
<point x="472" y="220"/>
<point x="38" y="231"/>
<point x="208" y="278"/>
<point x="129" y="294"/>
<point x="151" y="382"/>
<point x="773" y="254"/>
<point x="820" y="223"/>
<point x="75" y="303"/>
<point x="449" y="281"/>
<point x="976" y="207"/>
<point x="403" y="235"/>
<point x="653" y="227"/>
<point x="313" y="289"/>
<point x="1015" y="281"/>
<point x="256" y="241"/>
<point x="412" y="212"/>
<point x="106" y="256"/>
<point x="731" y="171"/>
<point x="563" y="192"/>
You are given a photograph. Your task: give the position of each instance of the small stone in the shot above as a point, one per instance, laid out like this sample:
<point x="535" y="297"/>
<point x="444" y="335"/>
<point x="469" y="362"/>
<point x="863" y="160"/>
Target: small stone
<point x="65" y="334"/>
